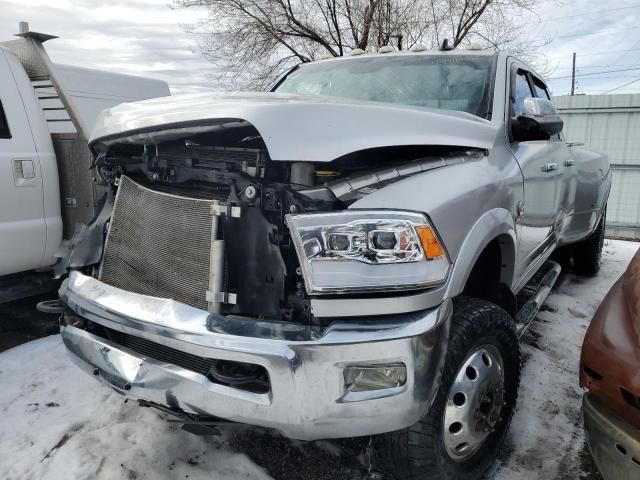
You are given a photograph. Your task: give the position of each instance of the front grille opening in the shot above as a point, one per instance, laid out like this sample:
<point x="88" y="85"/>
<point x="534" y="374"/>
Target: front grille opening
<point x="242" y="376"/>
<point x="592" y="373"/>
<point x="630" y="398"/>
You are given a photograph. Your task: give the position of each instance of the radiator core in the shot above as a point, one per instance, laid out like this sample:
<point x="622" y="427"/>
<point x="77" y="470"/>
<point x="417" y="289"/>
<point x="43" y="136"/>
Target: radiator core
<point x="159" y="244"/>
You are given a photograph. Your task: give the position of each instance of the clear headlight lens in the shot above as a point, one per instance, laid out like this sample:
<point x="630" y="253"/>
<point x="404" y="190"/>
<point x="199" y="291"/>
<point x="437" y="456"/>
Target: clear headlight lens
<point x="367" y="251"/>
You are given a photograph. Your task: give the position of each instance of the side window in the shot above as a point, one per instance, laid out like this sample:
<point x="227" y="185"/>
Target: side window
<point x="4" y="126"/>
<point x="522" y="90"/>
<point x="540" y="89"/>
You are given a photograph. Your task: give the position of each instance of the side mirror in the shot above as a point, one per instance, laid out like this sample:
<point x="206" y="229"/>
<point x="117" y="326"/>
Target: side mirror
<point x="539" y="120"/>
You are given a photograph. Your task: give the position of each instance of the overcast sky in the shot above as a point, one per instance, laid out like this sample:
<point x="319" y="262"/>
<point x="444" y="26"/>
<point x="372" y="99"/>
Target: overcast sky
<point x="146" y="37"/>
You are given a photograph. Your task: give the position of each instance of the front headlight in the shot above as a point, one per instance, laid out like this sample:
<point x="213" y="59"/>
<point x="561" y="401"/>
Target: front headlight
<point x="360" y="251"/>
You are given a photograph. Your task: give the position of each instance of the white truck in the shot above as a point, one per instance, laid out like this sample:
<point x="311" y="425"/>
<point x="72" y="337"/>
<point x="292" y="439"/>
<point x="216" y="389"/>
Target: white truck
<point x="46" y="189"/>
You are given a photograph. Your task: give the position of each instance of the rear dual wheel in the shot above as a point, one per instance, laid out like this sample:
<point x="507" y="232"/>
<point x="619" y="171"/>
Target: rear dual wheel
<point x="461" y="434"/>
<point x="587" y="254"/>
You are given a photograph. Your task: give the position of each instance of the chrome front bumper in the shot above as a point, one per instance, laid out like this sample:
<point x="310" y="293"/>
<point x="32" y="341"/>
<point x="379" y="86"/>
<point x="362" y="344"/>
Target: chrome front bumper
<point x="614" y="444"/>
<point x="307" y="399"/>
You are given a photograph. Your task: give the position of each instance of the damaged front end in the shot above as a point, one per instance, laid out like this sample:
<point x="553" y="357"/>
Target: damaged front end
<point x="195" y="286"/>
<point x="205" y="217"/>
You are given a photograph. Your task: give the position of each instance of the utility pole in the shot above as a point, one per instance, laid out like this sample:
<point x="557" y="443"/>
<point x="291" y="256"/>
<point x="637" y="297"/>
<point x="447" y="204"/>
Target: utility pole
<point x="573" y="75"/>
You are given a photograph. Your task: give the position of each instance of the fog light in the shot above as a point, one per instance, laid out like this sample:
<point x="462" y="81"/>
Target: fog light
<point x="361" y="378"/>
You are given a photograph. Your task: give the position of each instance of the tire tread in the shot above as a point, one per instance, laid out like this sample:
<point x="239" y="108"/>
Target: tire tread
<point x="412" y="453"/>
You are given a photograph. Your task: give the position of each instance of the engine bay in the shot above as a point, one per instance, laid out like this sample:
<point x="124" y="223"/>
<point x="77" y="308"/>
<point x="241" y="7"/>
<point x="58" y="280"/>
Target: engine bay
<point x="262" y="277"/>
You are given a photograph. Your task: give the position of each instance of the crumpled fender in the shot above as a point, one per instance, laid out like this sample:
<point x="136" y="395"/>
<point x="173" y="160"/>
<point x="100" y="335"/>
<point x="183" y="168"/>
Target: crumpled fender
<point x="87" y="244"/>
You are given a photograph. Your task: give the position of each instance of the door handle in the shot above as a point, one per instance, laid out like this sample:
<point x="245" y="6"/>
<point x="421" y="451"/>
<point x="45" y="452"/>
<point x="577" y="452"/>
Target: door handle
<point x="550" y="167"/>
<point x="24" y="173"/>
<point x="569" y="163"/>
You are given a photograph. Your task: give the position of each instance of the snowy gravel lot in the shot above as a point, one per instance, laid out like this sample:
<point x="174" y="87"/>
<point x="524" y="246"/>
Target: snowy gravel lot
<point x="58" y="423"/>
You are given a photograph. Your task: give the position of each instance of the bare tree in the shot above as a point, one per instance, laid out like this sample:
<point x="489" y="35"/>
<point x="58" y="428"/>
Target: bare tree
<point x="254" y="41"/>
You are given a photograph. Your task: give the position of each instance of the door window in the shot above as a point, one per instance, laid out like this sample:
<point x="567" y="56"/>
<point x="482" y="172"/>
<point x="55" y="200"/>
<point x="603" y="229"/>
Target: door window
<point x="540" y="89"/>
<point x="522" y="90"/>
<point x="4" y="126"/>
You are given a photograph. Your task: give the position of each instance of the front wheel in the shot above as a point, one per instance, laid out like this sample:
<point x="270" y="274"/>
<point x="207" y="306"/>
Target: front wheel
<point x="460" y="435"/>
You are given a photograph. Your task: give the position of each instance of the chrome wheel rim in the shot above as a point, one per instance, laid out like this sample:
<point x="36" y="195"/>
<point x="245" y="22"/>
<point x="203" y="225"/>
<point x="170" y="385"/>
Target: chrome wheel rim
<point x="474" y="403"/>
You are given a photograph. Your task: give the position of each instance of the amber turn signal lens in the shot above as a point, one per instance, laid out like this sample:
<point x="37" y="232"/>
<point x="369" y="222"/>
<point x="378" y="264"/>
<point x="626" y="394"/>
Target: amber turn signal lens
<point x="326" y="173"/>
<point x="430" y="243"/>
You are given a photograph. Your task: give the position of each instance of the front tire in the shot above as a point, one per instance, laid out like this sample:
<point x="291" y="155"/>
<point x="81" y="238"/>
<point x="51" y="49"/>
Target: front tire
<point x="461" y="434"/>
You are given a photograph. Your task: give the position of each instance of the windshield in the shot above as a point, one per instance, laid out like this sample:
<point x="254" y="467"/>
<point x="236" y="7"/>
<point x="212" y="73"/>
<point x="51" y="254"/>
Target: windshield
<point x="453" y="82"/>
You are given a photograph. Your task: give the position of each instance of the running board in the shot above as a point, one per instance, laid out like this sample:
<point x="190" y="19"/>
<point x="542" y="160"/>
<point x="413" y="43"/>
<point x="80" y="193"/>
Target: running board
<point x="535" y="292"/>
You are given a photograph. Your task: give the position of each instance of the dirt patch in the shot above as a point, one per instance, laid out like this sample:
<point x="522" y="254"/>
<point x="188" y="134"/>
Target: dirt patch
<point x="64" y="439"/>
<point x="290" y="460"/>
<point x="588" y="467"/>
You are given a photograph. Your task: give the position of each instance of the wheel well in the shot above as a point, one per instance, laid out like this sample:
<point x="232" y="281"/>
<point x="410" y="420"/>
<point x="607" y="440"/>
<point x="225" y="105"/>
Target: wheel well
<point x="491" y="275"/>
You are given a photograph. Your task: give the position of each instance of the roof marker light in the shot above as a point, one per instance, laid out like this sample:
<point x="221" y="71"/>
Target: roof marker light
<point x="386" y="49"/>
<point x="419" y="47"/>
<point x="445" y="46"/>
<point x="357" y="51"/>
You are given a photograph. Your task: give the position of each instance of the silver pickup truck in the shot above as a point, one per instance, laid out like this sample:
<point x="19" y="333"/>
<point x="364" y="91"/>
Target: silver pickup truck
<point x="354" y="253"/>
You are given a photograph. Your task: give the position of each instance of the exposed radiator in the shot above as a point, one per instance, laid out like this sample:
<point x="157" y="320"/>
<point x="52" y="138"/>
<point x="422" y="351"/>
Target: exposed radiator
<point x="159" y="244"/>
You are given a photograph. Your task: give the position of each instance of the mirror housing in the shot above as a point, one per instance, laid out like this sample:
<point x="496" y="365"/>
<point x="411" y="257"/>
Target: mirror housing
<point x="539" y="120"/>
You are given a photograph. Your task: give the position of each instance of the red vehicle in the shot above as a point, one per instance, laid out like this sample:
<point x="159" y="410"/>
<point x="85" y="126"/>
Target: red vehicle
<point x="610" y="371"/>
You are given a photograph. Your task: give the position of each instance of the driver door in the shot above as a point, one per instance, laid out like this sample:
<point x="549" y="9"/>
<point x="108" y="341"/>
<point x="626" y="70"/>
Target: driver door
<point x="535" y="224"/>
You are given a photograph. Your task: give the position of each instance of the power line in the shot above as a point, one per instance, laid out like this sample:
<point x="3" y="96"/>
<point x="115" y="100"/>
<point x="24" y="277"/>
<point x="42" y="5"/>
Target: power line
<point x="602" y="66"/>
<point x="596" y="79"/>
<point x="623" y="85"/>
<point x="608" y="52"/>
<point x="586" y="34"/>
<point x="627" y="53"/>
<point x="597" y="73"/>
<point x="631" y="90"/>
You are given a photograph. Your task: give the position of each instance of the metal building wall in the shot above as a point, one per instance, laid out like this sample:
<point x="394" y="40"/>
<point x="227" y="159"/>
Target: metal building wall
<point x="610" y="124"/>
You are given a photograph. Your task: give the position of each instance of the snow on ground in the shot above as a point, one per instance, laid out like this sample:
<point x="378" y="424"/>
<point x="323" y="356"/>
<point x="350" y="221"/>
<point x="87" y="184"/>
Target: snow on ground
<point x="56" y="422"/>
<point x="546" y="435"/>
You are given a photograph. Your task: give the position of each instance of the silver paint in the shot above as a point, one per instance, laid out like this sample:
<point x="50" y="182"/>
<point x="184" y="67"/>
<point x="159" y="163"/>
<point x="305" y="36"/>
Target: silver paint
<point x="504" y="192"/>
<point x="503" y="195"/>
<point x="350" y="125"/>
<point x="298" y="370"/>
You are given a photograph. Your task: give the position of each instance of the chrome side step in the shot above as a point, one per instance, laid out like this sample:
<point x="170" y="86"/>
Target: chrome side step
<point x="536" y="292"/>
